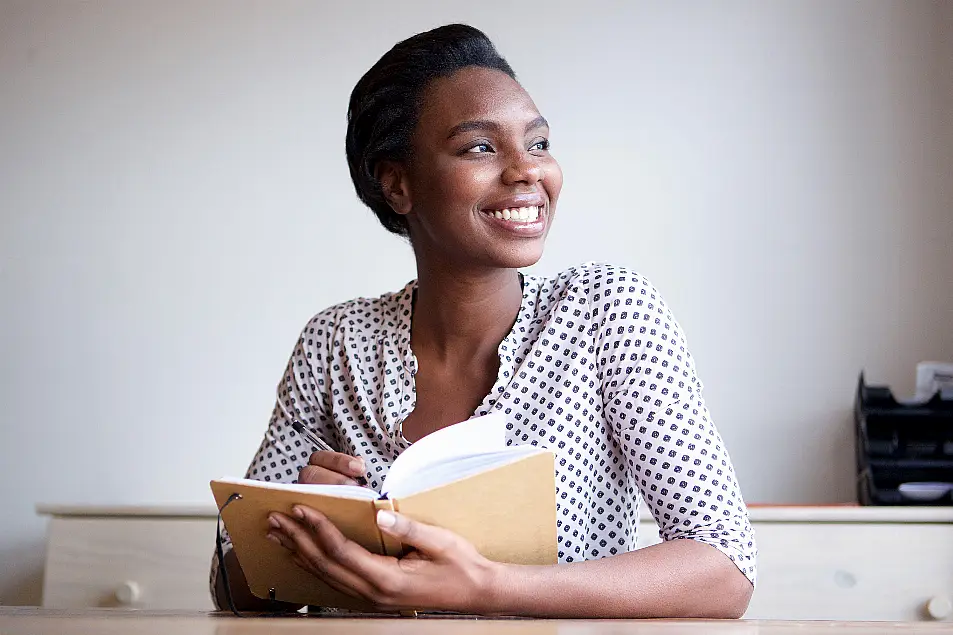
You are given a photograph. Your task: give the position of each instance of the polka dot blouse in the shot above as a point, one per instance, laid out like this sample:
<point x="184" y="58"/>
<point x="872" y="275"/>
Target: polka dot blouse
<point x="595" y="368"/>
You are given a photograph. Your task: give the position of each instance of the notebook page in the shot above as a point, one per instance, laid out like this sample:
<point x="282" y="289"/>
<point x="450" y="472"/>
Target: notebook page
<point x="447" y="472"/>
<point x="340" y="491"/>
<point x="480" y="435"/>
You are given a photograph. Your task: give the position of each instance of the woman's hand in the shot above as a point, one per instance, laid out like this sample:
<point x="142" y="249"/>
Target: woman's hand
<point x="444" y="573"/>
<point x="332" y="468"/>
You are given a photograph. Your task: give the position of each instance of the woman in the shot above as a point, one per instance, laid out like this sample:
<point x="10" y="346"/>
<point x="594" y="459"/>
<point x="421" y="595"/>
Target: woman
<point x="447" y="149"/>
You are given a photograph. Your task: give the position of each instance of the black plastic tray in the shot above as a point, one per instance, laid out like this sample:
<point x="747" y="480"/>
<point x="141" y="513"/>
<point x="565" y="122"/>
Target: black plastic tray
<point x="901" y="443"/>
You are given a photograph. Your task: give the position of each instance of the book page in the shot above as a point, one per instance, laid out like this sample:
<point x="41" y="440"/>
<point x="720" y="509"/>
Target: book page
<point x="477" y="436"/>
<point x="436" y="474"/>
<point x="341" y="491"/>
<point x="440" y="457"/>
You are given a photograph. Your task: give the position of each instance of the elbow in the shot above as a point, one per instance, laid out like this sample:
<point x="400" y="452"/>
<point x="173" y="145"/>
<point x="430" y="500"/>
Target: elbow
<point x="728" y="588"/>
<point x="736" y="603"/>
<point x="733" y="596"/>
<point x="725" y="591"/>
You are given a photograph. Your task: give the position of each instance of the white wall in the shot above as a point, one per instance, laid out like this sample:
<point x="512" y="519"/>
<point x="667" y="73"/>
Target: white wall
<point x="175" y="204"/>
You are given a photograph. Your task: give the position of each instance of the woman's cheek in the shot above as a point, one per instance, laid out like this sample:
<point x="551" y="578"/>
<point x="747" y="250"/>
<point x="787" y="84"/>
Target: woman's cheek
<point x="552" y="180"/>
<point x="468" y="184"/>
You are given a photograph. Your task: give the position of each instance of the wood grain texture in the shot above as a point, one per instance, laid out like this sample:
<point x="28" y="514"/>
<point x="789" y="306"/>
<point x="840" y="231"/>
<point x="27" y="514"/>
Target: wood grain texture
<point x="87" y="558"/>
<point x="851" y="571"/>
<point x="757" y="513"/>
<point x="807" y="570"/>
<point x="31" y="621"/>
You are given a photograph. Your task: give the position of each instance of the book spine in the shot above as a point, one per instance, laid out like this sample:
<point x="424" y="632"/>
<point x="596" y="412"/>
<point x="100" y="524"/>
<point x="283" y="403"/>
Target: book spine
<point x="389" y="545"/>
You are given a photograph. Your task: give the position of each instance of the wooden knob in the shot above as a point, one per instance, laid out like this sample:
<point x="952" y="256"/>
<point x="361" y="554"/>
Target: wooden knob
<point x="128" y="592"/>
<point x="939" y="607"/>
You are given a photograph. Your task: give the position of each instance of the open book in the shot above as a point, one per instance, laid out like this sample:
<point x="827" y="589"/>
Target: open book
<point x="463" y="478"/>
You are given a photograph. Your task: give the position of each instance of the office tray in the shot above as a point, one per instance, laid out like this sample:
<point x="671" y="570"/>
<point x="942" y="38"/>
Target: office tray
<point x="899" y="443"/>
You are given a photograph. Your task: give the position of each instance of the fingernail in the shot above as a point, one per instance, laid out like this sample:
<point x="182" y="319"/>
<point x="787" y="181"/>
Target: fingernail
<point x="356" y="465"/>
<point x="272" y="537"/>
<point x="297" y="512"/>
<point x="273" y="521"/>
<point x="386" y="519"/>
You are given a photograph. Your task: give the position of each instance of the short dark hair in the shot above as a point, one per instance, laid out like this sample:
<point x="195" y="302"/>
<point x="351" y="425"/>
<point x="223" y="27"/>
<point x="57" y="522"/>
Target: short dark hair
<point x="385" y="103"/>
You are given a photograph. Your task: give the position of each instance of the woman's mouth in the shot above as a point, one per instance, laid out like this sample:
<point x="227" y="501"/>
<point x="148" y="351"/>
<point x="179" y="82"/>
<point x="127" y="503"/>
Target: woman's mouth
<point x="516" y="214"/>
<point x="523" y="222"/>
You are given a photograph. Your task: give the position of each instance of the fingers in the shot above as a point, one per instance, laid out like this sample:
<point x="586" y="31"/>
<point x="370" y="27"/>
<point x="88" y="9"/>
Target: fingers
<point x="279" y="536"/>
<point x="429" y="540"/>
<point x="311" y="555"/>
<point x="352" y="466"/>
<point x="344" y="552"/>
<point x="319" y="548"/>
<point x="314" y="475"/>
<point x="331" y="582"/>
<point x="282" y="539"/>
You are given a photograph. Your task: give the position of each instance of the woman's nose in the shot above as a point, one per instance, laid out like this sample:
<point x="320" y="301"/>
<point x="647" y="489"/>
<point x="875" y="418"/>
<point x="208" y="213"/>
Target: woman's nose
<point x="526" y="169"/>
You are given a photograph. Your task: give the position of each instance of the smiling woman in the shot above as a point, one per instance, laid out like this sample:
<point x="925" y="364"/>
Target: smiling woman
<point x="447" y="149"/>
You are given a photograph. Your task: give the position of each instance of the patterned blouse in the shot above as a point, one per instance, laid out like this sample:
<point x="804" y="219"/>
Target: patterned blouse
<point x="595" y="368"/>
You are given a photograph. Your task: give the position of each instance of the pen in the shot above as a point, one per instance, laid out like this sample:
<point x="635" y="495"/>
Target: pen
<point x="315" y="440"/>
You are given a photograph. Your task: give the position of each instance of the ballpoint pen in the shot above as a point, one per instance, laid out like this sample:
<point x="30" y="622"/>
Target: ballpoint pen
<point x="317" y="442"/>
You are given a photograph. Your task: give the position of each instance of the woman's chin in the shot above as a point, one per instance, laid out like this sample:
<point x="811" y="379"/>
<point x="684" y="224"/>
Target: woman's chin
<point x="520" y="256"/>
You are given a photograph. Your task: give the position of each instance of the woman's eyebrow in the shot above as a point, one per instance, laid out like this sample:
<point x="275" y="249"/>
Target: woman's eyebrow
<point x="482" y="124"/>
<point x="539" y="122"/>
<point x="476" y="124"/>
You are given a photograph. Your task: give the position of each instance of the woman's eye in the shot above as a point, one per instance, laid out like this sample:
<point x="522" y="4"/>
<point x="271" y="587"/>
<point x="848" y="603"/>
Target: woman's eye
<point x="480" y="148"/>
<point x="542" y="144"/>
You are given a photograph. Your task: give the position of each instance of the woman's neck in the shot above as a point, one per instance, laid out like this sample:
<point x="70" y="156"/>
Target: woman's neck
<point x="464" y="314"/>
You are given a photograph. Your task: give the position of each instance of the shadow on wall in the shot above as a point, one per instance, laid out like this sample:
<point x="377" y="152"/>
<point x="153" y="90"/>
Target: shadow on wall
<point x="22" y="582"/>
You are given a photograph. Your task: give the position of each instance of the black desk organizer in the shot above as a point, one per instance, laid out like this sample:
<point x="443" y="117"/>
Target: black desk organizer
<point x="899" y="443"/>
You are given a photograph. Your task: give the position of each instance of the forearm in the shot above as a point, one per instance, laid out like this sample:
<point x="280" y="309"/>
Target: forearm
<point x="680" y="578"/>
<point x="241" y="594"/>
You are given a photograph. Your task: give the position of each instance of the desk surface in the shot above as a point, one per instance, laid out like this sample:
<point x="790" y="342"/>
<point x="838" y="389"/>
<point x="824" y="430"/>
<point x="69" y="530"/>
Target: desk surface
<point x="37" y="621"/>
<point x="758" y="513"/>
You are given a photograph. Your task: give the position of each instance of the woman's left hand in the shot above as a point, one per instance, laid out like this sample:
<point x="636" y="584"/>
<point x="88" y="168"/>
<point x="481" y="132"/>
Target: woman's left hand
<point x="445" y="572"/>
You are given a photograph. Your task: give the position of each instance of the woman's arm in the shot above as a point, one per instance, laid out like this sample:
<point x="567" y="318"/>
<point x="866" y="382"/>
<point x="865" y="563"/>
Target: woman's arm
<point x="652" y="398"/>
<point x="680" y="578"/>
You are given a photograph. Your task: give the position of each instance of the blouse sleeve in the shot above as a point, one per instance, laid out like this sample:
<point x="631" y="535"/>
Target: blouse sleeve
<point x="653" y="401"/>
<point x="301" y="395"/>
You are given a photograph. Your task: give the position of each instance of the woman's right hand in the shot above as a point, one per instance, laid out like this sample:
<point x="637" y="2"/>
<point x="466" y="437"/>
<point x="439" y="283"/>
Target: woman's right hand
<point x="332" y="468"/>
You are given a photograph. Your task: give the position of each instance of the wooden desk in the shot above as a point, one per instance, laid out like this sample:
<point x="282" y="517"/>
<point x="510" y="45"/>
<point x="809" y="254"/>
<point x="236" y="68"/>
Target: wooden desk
<point x="39" y="621"/>
<point x="830" y="563"/>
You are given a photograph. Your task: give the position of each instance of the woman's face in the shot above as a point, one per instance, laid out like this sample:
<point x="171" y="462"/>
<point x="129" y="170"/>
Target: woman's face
<point x="481" y="183"/>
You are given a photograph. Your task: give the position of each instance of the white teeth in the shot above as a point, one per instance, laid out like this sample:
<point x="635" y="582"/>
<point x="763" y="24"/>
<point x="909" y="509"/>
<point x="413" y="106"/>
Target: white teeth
<point x="519" y="214"/>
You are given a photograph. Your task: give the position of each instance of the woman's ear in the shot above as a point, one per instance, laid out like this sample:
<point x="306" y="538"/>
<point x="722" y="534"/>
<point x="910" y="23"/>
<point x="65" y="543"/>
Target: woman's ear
<point x="395" y="186"/>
